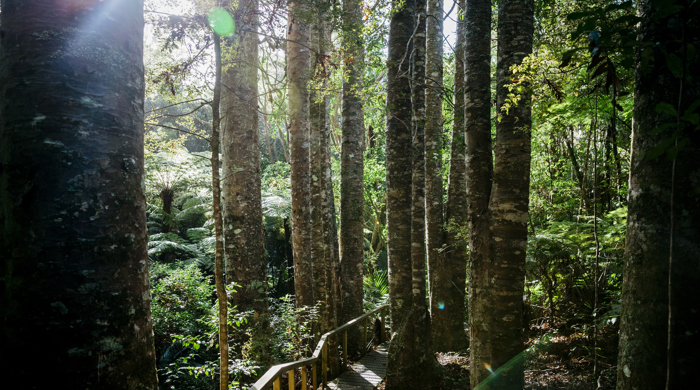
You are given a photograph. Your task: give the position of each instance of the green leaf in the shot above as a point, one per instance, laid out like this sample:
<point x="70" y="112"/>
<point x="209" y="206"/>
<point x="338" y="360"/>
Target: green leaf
<point x="665" y="108"/>
<point x="579" y="15"/>
<point x="675" y="64"/>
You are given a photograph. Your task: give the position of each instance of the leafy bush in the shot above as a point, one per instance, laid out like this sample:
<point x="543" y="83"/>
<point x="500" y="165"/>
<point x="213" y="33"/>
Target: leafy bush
<point x="180" y="295"/>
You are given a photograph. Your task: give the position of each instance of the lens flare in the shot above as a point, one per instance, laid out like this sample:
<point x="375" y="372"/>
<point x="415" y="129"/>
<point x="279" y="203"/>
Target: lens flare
<point x="221" y="22"/>
<point x="441" y="305"/>
<point x="488" y="367"/>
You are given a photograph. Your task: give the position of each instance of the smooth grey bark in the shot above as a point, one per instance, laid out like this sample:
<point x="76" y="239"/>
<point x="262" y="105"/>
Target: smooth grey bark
<point x="241" y="194"/>
<point x="447" y="319"/>
<point x="74" y="268"/>
<point x="658" y="349"/>
<point x="352" y="170"/>
<point x="298" y="69"/>
<point x="398" y="161"/>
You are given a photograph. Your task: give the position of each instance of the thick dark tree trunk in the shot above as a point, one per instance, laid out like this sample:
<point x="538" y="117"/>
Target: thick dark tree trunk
<point x="509" y="205"/>
<point x="352" y="170"/>
<point x="477" y="117"/>
<point x="74" y="285"/>
<point x="658" y="348"/>
<point x="411" y="364"/>
<point x="241" y="196"/>
<point x="398" y="161"/>
<point x="448" y="309"/>
<point x="298" y="70"/>
<point x="498" y="235"/>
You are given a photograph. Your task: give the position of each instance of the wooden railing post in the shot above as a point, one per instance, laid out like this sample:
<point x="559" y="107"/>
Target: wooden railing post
<point x="303" y="378"/>
<point x="290" y="375"/>
<point x="324" y="366"/>
<point x="364" y="336"/>
<point x="345" y="349"/>
<point x="277" y="385"/>
<point x="314" y="374"/>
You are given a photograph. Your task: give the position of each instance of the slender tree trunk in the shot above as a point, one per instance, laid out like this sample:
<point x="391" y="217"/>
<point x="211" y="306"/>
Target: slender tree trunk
<point x="218" y="223"/>
<point x="447" y="317"/>
<point x="72" y="217"/>
<point x="398" y="161"/>
<point x="352" y="170"/>
<point x="659" y="336"/>
<point x="418" y="255"/>
<point x="438" y="273"/>
<point x="298" y="69"/>
<point x="242" y="203"/>
<point x="477" y="117"/>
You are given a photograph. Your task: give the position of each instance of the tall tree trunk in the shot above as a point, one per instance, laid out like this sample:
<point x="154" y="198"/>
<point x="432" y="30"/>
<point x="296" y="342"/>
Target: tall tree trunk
<point x="298" y="69"/>
<point x="411" y="363"/>
<point x="352" y="170"/>
<point x="72" y="216"/>
<point x="398" y="161"/>
<point x="477" y="117"/>
<point x="659" y="336"/>
<point x="447" y="317"/>
<point x="508" y="208"/>
<point x="418" y="257"/>
<point x="218" y="223"/>
<point x="433" y="148"/>
<point x="242" y="203"/>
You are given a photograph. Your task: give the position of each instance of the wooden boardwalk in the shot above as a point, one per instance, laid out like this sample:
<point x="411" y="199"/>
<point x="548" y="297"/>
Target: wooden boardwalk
<point x="365" y="374"/>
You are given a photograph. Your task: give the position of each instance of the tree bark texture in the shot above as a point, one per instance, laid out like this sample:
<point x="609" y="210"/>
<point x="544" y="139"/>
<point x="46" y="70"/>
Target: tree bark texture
<point x="242" y="203"/>
<point x="321" y="251"/>
<point x="398" y="161"/>
<point x="352" y="170"/>
<point x="477" y="117"/>
<point x="497" y="319"/>
<point x="664" y="210"/>
<point x="72" y="211"/>
<point x="433" y="156"/>
<point x="298" y="70"/>
<point x="418" y="256"/>
<point x="218" y="219"/>
<point x="447" y="317"/>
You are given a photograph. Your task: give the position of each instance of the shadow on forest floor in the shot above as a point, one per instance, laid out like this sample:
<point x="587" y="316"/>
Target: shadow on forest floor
<point x="561" y="358"/>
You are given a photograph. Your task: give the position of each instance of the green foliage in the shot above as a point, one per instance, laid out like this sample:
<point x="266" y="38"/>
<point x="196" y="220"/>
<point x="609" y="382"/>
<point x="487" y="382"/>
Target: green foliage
<point x="376" y="289"/>
<point x="180" y="296"/>
<point x="292" y="328"/>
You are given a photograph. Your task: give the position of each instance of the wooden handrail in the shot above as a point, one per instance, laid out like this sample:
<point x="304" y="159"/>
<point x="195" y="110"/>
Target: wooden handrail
<point x="272" y="375"/>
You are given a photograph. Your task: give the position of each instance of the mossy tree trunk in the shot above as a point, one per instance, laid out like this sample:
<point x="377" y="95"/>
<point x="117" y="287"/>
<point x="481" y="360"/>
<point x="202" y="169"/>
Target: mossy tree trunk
<point x="74" y="285"/>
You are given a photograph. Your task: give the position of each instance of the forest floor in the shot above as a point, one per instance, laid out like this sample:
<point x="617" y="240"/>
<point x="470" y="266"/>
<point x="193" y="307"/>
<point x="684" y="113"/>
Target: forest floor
<point x="556" y="359"/>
